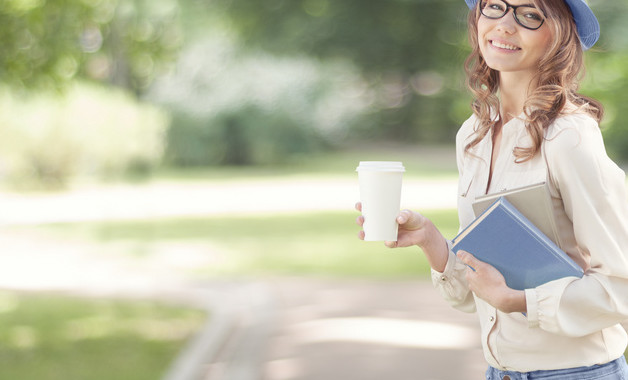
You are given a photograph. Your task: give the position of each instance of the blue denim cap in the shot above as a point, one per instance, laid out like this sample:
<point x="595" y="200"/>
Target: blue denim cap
<point x="586" y="22"/>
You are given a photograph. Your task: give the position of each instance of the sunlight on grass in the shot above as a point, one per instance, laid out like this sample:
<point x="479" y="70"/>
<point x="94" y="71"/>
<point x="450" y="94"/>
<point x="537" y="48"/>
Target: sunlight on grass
<point x="291" y="244"/>
<point x="48" y="337"/>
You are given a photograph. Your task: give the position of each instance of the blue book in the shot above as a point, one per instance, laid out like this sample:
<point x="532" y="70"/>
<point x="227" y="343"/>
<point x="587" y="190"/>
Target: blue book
<point x="504" y="238"/>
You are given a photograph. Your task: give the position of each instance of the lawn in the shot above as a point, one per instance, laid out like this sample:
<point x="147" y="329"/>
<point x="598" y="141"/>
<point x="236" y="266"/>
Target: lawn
<point x="47" y="337"/>
<point x="420" y="161"/>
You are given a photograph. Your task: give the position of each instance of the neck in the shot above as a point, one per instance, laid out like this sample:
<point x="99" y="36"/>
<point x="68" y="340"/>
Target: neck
<point x="513" y="92"/>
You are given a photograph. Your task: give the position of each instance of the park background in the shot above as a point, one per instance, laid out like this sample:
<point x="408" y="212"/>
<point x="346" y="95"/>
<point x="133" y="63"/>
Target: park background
<point x="199" y="140"/>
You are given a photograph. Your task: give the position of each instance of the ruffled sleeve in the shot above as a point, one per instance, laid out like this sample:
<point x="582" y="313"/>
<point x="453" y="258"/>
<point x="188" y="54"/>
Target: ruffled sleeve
<point x="452" y="284"/>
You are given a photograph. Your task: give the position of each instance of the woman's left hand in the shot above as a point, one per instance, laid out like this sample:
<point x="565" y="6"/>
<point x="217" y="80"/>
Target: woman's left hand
<point x="489" y="284"/>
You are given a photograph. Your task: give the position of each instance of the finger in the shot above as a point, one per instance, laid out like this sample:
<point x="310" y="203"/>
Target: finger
<point x="358" y="206"/>
<point x="361" y="235"/>
<point x="469" y="259"/>
<point x="470" y="277"/>
<point x="390" y="244"/>
<point x="462" y="255"/>
<point x="360" y="220"/>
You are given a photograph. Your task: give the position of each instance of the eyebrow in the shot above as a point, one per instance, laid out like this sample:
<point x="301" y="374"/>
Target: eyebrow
<point x="518" y="5"/>
<point x="525" y="5"/>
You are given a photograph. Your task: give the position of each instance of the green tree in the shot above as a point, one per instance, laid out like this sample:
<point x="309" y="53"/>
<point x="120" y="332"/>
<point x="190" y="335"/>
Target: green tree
<point x="47" y="43"/>
<point x="408" y="51"/>
<point x="242" y="107"/>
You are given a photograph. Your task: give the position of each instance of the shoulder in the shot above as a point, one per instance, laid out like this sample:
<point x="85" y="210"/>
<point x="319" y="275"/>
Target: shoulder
<point x="466" y="130"/>
<point x="573" y="132"/>
<point x="574" y="148"/>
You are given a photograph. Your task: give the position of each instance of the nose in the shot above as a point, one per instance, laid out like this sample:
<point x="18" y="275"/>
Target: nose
<point x="508" y="23"/>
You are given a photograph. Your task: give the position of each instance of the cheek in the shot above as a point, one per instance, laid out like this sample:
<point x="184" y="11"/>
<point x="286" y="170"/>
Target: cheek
<point x="544" y="38"/>
<point x="482" y="27"/>
<point x="545" y="45"/>
<point x="482" y="30"/>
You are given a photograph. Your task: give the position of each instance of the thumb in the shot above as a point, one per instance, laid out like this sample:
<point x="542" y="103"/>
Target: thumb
<point x="410" y="220"/>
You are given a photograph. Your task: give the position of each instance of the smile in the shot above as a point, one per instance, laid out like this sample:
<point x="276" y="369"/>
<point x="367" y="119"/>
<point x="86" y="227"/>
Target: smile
<point x="504" y="46"/>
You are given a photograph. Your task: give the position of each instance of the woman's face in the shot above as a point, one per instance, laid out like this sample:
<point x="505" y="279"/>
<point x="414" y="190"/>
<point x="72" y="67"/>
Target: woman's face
<point x="507" y="46"/>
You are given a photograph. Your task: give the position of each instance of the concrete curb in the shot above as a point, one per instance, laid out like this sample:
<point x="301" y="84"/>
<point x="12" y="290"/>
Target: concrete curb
<point x="193" y="360"/>
<point x="231" y="344"/>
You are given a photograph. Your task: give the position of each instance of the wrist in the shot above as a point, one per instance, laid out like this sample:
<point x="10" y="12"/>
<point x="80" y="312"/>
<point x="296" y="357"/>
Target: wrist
<point x="433" y="244"/>
<point x="437" y="254"/>
<point x="514" y="301"/>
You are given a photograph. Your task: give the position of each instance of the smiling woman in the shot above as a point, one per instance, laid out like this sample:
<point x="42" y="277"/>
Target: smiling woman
<point x="530" y="125"/>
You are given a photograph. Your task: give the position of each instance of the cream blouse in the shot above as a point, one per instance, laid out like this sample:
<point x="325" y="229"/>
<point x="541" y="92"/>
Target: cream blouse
<point x="570" y="322"/>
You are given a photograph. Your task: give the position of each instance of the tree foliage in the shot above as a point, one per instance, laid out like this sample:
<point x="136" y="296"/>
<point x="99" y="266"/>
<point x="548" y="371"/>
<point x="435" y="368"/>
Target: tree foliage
<point x="407" y="58"/>
<point x="241" y="107"/>
<point x="47" y="43"/>
<point x="408" y="51"/>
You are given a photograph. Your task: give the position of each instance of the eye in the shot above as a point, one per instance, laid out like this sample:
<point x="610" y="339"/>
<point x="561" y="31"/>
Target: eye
<point x="531" y="14"/>
<point x="495" y="6"/>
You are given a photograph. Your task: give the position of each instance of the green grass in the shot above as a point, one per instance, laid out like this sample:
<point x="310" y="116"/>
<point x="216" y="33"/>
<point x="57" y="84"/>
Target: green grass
<point x="420" y="161"/>
<point x="323" y="243"/>
<point x="47" y="337"/>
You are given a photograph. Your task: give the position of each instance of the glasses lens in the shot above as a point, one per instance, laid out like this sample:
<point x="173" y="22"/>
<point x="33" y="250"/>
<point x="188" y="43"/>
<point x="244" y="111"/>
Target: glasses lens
<point x="494" y="8"/>
<point x="529" y="17"/>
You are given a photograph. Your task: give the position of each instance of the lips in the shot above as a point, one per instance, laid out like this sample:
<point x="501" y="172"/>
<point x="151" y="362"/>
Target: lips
<point x="504" y="45"/>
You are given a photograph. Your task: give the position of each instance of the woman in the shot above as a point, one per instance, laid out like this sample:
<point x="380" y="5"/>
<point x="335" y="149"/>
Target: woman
<point x="530" y="125"/>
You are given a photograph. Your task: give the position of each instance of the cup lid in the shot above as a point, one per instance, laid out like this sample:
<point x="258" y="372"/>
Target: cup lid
<point x="381" y="166"/>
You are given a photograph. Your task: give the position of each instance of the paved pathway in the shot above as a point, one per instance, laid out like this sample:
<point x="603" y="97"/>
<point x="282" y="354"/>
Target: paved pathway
<point x="369" y="330"/>
<point x="164" y="199"/>
<point x="349" y="329"/>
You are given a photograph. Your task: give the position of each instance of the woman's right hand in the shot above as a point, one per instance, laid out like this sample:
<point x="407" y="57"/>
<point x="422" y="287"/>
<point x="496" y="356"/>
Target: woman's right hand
<point x="416" y="229"/>
<point x="360" y="220"/>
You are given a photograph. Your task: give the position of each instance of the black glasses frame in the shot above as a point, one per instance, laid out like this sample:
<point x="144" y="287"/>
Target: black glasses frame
<point x="514" y="13"/>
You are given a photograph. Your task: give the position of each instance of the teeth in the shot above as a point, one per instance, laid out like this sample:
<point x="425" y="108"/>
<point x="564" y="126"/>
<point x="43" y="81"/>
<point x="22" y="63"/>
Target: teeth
<point x="504" y="46"/>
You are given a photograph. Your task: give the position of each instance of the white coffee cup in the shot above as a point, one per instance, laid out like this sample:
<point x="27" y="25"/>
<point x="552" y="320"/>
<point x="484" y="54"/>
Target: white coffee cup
<point x="380" y="194"/>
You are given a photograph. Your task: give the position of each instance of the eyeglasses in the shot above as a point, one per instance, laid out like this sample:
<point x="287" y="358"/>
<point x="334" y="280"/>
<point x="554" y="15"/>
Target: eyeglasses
<point x="526" y="15"/>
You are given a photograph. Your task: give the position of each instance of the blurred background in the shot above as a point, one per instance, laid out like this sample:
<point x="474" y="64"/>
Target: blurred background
<point x="168" y="166"/>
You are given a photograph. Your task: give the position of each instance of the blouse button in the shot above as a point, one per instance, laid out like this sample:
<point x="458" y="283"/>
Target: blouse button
<point x="443" y="278"/>
<point x="491" y="318"/>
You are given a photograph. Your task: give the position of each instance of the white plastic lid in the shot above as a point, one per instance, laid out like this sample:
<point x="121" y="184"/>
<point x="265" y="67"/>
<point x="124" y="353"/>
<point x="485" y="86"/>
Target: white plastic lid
<point x="381" y="166"/>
